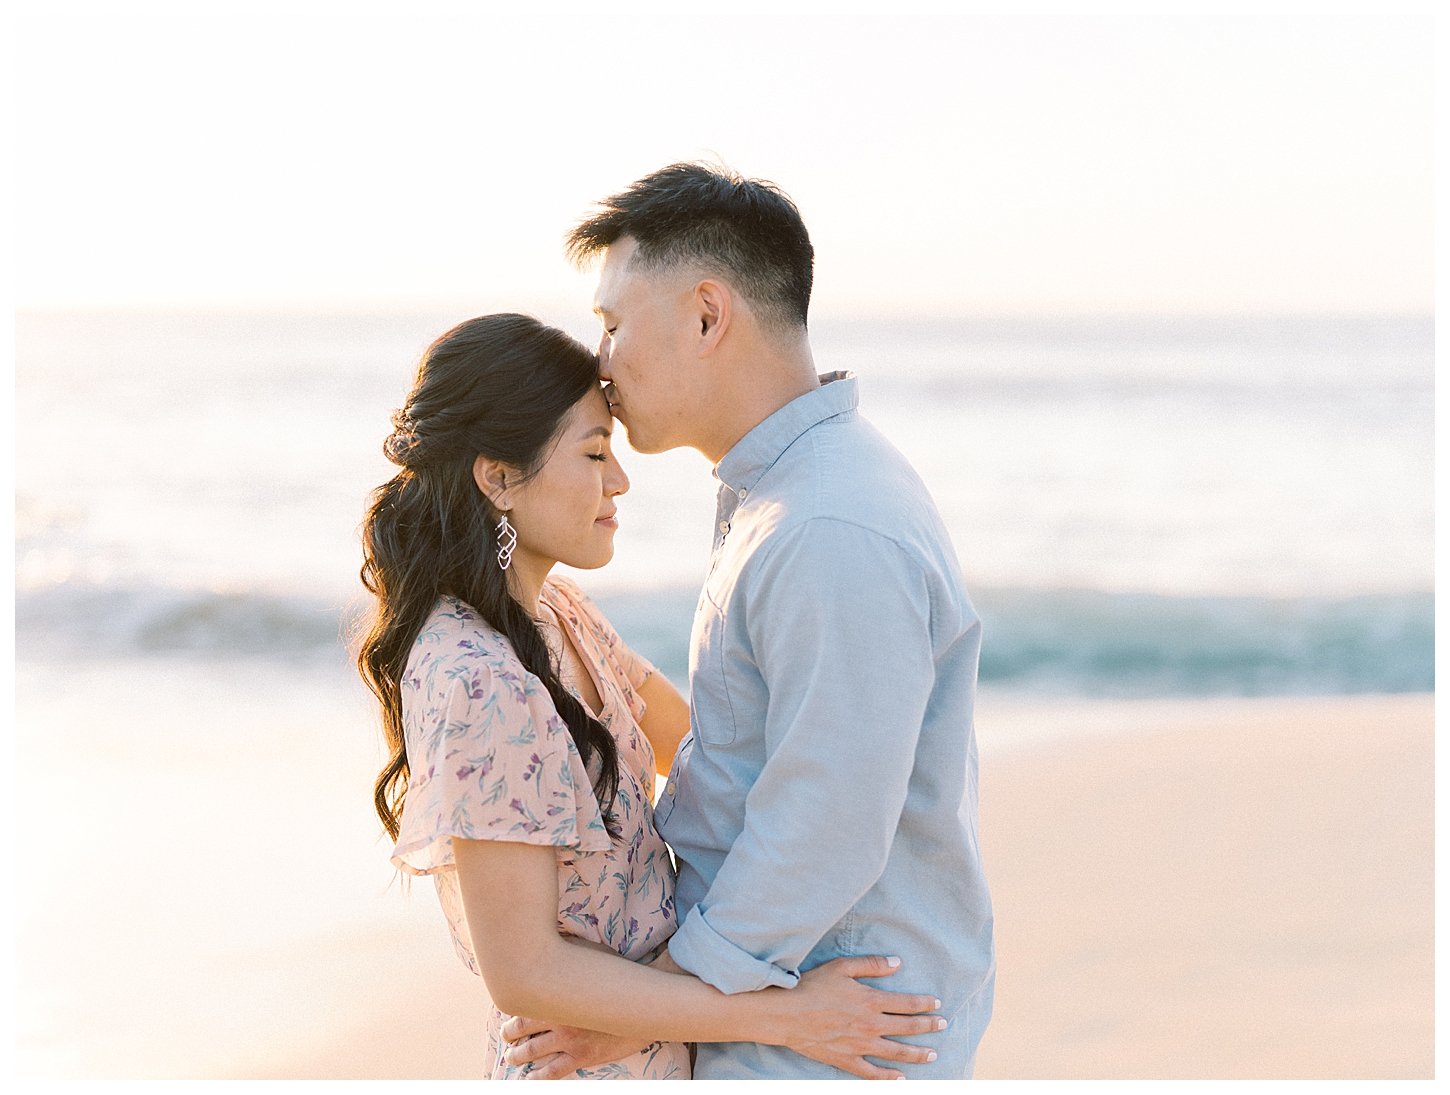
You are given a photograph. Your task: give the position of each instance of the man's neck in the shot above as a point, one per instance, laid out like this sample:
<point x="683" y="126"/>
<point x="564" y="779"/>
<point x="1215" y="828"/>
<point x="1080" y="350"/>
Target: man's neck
<point x="766" y="384"/>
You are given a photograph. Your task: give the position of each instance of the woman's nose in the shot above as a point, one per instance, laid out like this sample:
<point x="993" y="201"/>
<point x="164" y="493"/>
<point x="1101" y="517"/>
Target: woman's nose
<point x="618" y="482"/>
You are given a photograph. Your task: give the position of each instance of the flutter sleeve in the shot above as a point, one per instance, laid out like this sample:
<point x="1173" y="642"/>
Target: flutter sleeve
<point x="489" y="759"/>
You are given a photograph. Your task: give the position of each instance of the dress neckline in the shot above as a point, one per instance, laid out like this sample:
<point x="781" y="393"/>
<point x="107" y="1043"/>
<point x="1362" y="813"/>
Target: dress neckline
<point x="568" y="620"/>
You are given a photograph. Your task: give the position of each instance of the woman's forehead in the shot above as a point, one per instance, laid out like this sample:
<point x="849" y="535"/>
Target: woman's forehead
<point x="590" y="417"/>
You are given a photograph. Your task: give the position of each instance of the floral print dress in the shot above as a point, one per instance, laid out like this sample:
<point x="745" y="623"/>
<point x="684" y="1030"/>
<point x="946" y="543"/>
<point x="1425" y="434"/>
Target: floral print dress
<point x="490" y="759"/>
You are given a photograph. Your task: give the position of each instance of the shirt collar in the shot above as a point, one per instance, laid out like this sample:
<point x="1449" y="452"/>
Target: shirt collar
<point x="753" y="455"/>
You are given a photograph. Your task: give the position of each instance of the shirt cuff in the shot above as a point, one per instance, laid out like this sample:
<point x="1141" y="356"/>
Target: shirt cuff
<point x="712" y="958"/>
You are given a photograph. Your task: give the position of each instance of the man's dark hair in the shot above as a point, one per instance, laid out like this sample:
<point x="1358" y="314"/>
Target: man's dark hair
<point x="689" y="212"/>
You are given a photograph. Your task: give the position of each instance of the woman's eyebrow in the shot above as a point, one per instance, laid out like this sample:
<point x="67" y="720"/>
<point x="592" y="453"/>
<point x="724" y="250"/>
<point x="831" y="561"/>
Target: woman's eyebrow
<point x="597" y="431"/>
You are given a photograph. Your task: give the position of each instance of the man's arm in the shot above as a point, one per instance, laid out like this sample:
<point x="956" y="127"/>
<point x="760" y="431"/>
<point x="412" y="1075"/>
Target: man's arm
<point x="839" y="625"/>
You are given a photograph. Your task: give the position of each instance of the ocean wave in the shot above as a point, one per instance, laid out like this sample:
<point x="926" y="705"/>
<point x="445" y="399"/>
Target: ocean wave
<point x="1085" y="642"/>
<point x="1062" y="642"/>
<point x="1089" y="643"/>
<point x="68" y="618"/>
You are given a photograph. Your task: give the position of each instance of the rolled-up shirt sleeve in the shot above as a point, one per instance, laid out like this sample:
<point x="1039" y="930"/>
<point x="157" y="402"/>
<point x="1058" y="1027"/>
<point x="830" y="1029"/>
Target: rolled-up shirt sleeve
<point x="839" y="625"/>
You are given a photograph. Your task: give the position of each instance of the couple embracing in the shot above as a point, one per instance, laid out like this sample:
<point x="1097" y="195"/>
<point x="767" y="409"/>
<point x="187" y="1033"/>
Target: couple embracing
<point x="829" y="917"/>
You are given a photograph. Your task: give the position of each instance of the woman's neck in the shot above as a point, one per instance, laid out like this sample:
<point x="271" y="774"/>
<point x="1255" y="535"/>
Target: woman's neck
<point x="526" y="578"/>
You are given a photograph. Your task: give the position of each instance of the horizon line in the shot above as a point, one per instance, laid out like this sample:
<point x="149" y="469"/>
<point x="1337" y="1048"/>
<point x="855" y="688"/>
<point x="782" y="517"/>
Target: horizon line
<point x="382" y="309"/>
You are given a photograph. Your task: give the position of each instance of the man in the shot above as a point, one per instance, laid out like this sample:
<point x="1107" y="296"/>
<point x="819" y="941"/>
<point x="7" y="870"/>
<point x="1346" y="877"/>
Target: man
<point x="825" y="801"/>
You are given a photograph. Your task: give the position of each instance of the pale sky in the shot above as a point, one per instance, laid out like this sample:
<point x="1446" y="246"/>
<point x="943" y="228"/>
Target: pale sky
<point x="959" y="159"/>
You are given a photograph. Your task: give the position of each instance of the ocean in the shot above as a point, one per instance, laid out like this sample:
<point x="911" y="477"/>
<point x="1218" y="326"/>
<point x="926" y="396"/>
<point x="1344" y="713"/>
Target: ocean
<point x="1140" y="507"/>
<point x="1144" y="510"/>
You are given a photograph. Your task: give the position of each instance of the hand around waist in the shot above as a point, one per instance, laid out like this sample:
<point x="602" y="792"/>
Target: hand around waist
<point x="832" y="1018"/>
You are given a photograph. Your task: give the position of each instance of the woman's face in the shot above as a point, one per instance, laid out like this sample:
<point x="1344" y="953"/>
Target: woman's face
<point x="565" y="513"/>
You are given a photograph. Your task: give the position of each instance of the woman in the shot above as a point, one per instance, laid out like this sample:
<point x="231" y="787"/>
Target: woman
<point x="525" y="736"/>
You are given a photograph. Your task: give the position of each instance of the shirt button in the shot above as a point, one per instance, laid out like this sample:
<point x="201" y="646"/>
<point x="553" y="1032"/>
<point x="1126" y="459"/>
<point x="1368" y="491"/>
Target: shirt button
<point x="742" y="493"/>
<point x="670" y="787"/>
<point x="724" y="526"/>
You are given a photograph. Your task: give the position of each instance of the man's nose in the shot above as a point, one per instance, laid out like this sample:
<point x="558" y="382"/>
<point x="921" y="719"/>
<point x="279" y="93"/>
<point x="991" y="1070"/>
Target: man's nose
<point x="604" y="357"/>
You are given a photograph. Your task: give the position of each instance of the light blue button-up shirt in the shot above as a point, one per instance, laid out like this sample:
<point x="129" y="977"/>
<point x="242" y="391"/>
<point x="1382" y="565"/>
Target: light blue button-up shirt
<point x="825" y="801"/>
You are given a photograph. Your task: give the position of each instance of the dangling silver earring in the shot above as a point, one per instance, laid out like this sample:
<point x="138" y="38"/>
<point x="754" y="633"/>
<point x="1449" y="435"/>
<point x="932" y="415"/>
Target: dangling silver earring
<point x="507" y="538"/>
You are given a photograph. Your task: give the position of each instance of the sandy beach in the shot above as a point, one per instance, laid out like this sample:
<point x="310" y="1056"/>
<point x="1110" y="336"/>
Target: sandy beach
<point x="1219" y="889"/>
<point x="1246" y="891"/>
<point x="1184" y="888"/>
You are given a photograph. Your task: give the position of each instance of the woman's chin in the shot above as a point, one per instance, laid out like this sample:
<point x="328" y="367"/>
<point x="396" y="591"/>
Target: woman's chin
<point x="590" y="560"/>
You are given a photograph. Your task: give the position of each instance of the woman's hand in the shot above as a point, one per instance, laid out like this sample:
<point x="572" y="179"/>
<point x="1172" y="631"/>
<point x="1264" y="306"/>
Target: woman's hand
<point x="836" y="1020"/>
<point x="556" y="1051"/>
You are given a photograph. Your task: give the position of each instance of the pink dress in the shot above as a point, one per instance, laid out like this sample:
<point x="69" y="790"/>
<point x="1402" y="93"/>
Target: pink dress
<point x="490" y="759"/>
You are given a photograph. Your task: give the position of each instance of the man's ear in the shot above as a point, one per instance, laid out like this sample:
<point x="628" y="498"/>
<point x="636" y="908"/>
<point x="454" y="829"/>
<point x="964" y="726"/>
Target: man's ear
<point x="492" y="478"/>
<point x="714" y="307"/>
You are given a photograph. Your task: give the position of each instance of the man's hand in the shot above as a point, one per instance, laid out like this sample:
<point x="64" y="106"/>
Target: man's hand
<point x="556" y="1051"/>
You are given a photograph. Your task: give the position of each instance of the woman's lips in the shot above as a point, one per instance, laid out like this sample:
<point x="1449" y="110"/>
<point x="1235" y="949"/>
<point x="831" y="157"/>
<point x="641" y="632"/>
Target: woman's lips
<point x="607" y="522"/>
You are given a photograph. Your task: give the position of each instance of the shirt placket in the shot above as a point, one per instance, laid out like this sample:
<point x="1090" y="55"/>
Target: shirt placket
<point x="726" y="503"/>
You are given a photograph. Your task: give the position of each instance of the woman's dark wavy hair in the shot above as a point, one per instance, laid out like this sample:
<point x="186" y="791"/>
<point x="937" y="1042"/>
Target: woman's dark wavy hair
<point x="499" y="386"/>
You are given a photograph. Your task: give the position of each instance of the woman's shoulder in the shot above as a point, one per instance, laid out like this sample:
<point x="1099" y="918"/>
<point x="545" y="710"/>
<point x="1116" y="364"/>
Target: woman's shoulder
<point x="454" y="636"/>
<point x="558" y="586"/>
<point x="489" y="756"/>
<point x="464" y="680"/>
<point x="563" y="594"/>
<point x="598" y="637"/>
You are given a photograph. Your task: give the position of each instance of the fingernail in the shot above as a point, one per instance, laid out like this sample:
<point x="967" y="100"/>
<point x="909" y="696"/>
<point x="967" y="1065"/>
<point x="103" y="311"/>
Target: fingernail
<point x="901" y="1077"/>
<point x="941" y="1024"/>
<point x="893" y="963"/>
<point x="931" y="1056"/>
<point x="936" y="1005"/>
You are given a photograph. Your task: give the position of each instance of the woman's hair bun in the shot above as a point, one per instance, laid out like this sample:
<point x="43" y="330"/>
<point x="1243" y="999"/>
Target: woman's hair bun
<point x="402" y="443"/>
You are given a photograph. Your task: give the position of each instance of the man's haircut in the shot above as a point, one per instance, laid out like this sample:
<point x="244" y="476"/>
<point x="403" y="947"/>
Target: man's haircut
<point x="747" y="230"/>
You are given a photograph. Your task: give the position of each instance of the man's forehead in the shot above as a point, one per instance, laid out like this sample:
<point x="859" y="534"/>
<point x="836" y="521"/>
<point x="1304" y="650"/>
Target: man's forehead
<point x="613" y="272"/>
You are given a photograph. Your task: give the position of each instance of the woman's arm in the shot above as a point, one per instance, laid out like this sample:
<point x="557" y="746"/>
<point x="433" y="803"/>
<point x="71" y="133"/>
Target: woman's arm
<point x="666" y="719"/>
<point x="510" y="898"/>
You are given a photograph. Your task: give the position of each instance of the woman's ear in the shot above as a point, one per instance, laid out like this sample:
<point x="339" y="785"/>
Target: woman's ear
<point x="492" y="478"/>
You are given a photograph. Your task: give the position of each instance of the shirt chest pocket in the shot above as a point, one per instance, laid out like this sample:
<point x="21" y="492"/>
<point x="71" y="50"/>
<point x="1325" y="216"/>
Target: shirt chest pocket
<point x="714" y="719"/>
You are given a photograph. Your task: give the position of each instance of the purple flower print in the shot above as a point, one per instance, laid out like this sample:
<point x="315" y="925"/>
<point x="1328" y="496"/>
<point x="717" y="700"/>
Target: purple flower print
<point x="533" y="769"/>
<point x="482" y="767"/>
<point x="576" y="912"/>
<point x="529" y="824"/>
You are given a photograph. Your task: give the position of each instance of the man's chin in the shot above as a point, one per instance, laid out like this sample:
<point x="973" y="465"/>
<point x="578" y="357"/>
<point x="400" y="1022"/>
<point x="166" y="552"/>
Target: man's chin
<point x="642" y="441"/>
<point x="639" y="440"/>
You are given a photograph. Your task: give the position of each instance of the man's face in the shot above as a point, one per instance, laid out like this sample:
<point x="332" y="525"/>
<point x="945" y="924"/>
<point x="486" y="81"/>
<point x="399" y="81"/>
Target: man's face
<point x="647" y="353"/>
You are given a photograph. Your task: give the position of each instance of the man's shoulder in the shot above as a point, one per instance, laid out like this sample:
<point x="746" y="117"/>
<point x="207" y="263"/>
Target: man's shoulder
<point x="846" y="470"/>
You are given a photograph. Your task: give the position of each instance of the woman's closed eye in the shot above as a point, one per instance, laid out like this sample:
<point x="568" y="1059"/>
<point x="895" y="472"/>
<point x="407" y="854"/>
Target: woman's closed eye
<point x="598" y="456"/>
